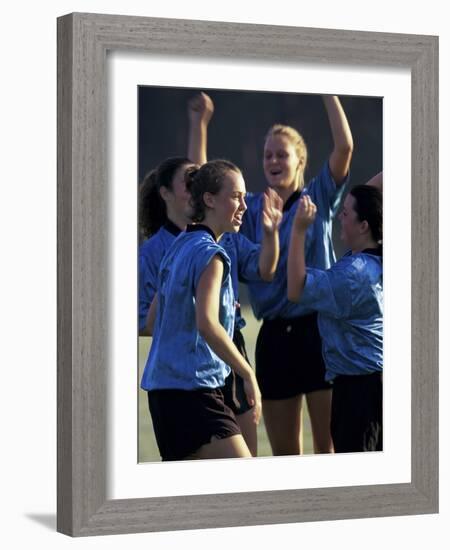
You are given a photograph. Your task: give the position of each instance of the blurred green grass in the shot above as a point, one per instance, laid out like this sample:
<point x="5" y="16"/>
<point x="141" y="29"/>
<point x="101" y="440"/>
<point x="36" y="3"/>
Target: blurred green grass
<point x="148" y="449"/>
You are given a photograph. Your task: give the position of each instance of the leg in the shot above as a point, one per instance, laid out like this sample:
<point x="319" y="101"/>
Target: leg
<point x="319" y="407"/>
<point x="248" y="429"/>
<point x="283" y="421"/>
<point x="229" y="447"/>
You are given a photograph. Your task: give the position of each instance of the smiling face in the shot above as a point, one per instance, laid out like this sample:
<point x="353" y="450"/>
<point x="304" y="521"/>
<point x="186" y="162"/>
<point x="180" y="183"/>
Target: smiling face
<point x="228" y="205"/>
<point x="282" y="165"/>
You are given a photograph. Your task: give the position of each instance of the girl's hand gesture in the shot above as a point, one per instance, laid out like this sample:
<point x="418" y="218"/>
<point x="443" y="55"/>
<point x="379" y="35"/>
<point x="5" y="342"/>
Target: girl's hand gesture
<point x="200" y="109"/>
<point x="305" y="215"/>
<point x="272" y="212"/>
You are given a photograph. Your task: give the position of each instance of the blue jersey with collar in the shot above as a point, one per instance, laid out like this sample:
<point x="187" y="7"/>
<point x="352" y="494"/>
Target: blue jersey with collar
<point x="349" y="300"/>
<point x="269" y="300"/>
<point x="151" y="253"/>
<point x="244" y="256"/>
<point x="179" y="357"/>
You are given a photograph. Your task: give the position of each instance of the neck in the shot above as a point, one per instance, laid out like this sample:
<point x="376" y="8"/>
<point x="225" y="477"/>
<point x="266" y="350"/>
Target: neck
<point x="365" y="242"/>
<point x="180" y="220"/>
<point x="286" y="192"/>
<point x="214" y="226"/>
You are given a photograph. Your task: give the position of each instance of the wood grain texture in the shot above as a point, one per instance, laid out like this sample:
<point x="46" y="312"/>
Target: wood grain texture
<point x="83" y="207"/>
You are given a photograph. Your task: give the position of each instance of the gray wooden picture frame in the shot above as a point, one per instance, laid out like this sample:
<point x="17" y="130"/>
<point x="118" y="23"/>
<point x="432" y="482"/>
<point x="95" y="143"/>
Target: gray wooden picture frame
<point x="83" y="42"/>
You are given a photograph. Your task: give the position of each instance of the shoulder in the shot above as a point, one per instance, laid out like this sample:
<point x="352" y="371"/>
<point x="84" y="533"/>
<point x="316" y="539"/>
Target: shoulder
<point x="324" y="175"/>
<point x="359" y="266"/>
<point x="202" y="244"/>
<point x="154" y="246"/>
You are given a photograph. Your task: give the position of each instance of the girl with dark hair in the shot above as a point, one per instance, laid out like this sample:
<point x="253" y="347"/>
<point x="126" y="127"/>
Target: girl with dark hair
<point x="192" y="322"/>
<point x="349" y="300"/>
<point x="165" y="211"/>
<point x="286" y="326"/>
<point x="163" y="204"/>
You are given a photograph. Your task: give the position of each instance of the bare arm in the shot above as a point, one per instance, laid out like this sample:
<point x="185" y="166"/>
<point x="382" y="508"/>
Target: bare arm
<point x="377" y="181"/>
<point x="306" y="212"/>
<point x="272" y="215"/>
<point x="200" y="111"/>
<point x="341" y="155"/>
<point x="207" y="317"/>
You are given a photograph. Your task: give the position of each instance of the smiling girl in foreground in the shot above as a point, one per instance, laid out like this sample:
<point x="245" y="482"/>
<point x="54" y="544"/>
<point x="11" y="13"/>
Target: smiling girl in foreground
<point x="193" y="315"/>
<point x="349" y="300"/>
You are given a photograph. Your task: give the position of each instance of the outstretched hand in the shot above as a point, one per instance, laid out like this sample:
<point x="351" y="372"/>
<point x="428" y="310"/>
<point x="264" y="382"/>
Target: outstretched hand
<point x="272" y="212"/>
<point x="305" y="214"/>
<point x="200" y="108"/>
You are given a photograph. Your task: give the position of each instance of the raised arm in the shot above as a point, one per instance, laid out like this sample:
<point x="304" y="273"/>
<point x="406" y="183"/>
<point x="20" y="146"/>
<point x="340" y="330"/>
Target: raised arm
<point x="341" y="155"/>
<point x="200" y="111"/>
<point x="272" y="215"/>
<point x="377" y="181"/>
<point x="207" y="298"/>
<point x="306" y="212"/>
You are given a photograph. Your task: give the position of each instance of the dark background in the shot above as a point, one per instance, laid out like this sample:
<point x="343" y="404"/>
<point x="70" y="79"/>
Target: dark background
<point x="240" y="122"/>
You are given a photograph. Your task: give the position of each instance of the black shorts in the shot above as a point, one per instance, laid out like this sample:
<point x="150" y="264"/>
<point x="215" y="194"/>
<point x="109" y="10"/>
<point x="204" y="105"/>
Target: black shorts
<point x="289" y="358"/>
<point x="183" y="420"/>
<point x="357" y="413"/>
<point x="233" y="391"/>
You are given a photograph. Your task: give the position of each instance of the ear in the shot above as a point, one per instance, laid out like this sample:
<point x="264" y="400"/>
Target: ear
<point x="209" y="199"/>
<point x="164" y="193"/>
<point x="364" y="228"/>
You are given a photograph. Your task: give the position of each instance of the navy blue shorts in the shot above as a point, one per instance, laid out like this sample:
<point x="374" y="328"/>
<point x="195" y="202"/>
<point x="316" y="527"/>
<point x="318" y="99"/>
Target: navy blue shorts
<point x="289" y="358"/>
<point x="357" y="413"/>
<point x="184" y="421"/>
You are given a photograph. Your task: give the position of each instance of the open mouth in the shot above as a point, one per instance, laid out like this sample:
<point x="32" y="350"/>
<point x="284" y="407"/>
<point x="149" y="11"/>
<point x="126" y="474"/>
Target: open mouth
<point x="275" y="172"/>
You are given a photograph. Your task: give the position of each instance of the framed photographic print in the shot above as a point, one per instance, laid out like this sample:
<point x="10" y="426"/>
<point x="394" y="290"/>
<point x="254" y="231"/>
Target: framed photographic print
<point x="97" y="105"/>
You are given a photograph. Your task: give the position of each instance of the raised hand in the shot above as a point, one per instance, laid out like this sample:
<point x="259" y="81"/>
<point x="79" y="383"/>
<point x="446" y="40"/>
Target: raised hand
<point x="305" y="214"/>
<point x="200" y="109"/>
<point x="272" y="212"/>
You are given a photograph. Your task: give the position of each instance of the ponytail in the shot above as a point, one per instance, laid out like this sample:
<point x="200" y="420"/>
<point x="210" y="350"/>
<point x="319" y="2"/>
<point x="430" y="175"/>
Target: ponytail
<point x="152" y="208"/>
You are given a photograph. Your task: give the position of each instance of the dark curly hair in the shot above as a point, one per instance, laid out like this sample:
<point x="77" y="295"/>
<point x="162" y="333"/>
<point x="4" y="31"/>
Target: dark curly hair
<point x="152" y="208"/>
<point x="369" y="206"/>
<point x="206" y="179"/>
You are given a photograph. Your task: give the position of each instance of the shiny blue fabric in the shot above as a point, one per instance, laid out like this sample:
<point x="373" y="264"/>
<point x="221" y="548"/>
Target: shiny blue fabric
<point x="244" y="256"/>
<point x="269" y="300"/>
<point x="179" y="357"/>
<point x="151" y="253"/>
<point x="349" y="300"/>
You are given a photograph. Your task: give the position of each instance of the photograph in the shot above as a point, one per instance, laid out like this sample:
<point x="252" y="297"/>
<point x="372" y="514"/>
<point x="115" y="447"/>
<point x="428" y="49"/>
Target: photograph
<point x="260" y="305"/>
<point x="193" y="205"/>
<point x="295" y="247"/>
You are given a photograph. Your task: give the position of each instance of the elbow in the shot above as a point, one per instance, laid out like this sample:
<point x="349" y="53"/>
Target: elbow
<point x="345" y="150"/>
<point x="267" y="276"/>
<point x="293" y="295"/>
<point x="205" y="329"/>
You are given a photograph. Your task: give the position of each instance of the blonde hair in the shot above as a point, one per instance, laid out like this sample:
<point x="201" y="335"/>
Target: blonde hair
<point x="295" y="138"/>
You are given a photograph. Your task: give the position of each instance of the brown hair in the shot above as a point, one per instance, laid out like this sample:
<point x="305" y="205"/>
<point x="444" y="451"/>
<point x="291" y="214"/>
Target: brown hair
<point x="206" y="179"/>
